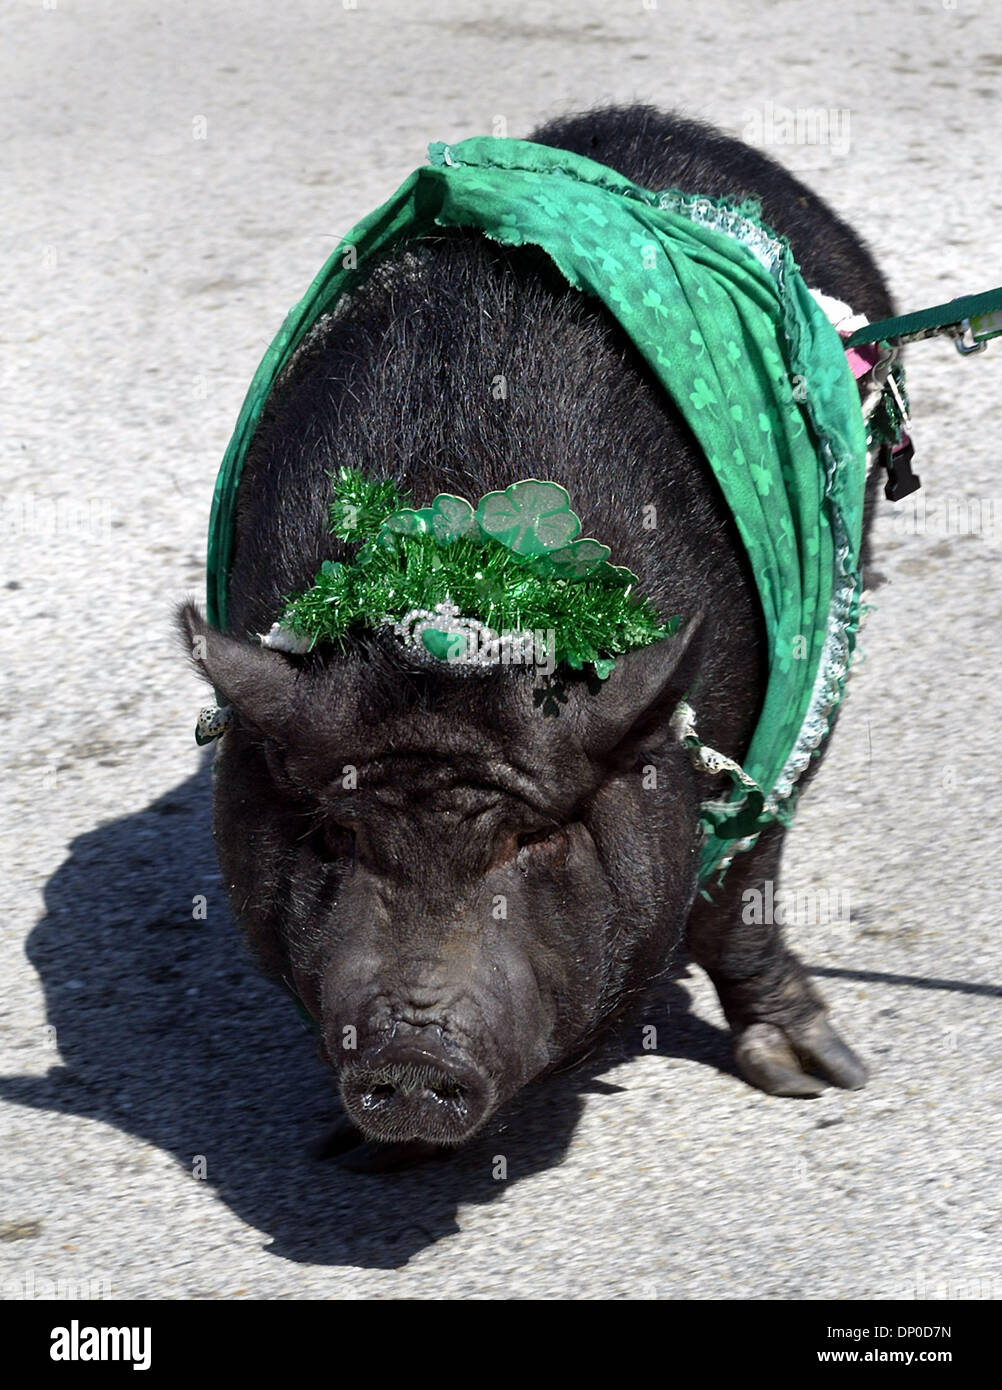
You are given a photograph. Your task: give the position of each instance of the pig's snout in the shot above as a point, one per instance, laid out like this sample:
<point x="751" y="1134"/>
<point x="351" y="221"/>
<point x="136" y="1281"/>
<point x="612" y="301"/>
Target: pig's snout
<point x="413" y="1086"/>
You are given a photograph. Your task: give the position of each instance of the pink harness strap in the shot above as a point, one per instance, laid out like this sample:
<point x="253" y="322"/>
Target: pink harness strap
<point x="861" y="359"/>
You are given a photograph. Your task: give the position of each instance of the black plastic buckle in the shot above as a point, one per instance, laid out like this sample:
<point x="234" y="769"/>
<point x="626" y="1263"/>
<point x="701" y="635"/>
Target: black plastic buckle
<point x="897" y="459"/>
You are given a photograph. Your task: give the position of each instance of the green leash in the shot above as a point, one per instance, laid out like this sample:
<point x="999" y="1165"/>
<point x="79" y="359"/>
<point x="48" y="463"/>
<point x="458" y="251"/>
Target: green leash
<point x="972" y="320"/>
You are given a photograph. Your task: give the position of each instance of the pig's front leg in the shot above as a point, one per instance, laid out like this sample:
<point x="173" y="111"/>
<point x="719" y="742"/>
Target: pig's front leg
<point x="783" y="1043"/>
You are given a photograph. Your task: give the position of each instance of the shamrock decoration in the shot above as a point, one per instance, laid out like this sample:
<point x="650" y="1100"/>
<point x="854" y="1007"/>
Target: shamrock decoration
<point x="446" y="519"/>
<point x="504" y="572"/>
<point x="574" y="561"/>
<point x="408" y="522"/>
<point x="451" y="517"/>
<point x="529" y="518"/>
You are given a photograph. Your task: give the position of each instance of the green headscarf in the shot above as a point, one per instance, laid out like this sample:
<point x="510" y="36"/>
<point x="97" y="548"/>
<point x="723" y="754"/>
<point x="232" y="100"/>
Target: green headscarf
<point x="714" y="302"/>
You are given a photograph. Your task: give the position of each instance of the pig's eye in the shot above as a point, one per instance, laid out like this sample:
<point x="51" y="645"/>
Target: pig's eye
<point x="537" y="837"/>
<point x="546" y="846"/>
<point x="333" y="843"/>
<point x="549" y="844"/>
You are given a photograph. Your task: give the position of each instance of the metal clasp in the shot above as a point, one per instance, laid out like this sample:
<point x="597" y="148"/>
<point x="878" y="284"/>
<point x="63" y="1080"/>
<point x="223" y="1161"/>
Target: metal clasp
<point x="966" y="349"/>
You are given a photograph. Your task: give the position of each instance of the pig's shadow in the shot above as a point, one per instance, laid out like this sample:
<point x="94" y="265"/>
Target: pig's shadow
<point x="163" y="1029"/>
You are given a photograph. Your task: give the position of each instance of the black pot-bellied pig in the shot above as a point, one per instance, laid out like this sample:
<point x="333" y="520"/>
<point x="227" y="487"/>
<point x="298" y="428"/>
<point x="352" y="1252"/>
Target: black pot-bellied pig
<point x="474" y="789"/>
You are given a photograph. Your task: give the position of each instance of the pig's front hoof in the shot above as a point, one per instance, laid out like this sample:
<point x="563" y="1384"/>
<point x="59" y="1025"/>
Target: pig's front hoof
<point x="797" y="1060"/>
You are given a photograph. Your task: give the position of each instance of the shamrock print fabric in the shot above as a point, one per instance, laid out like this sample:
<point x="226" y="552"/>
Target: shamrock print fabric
<point x="714" y="302"/>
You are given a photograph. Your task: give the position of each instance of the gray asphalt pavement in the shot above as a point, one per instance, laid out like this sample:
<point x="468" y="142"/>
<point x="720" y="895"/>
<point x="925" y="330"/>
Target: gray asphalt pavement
<point x="174" y="175"/>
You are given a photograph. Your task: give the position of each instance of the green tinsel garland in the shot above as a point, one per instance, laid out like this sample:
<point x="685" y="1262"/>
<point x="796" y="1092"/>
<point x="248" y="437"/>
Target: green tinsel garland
<point x="514" y="564"/>
<point x="887" y="420"/>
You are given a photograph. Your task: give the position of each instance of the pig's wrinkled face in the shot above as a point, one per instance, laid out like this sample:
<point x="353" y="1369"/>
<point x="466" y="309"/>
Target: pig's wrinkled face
<point x="460" y="888"/>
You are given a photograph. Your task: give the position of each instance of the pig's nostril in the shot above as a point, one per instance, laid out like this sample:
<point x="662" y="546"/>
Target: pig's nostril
<point x="418" y="1082"/>
<point x="401" y="1100"/>
<point x="447" y="1090"/>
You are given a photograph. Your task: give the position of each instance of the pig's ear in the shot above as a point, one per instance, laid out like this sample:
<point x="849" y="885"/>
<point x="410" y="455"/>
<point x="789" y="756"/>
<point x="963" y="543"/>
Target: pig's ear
<point x="636" y="700"/>
<point x="258" y="682"/>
